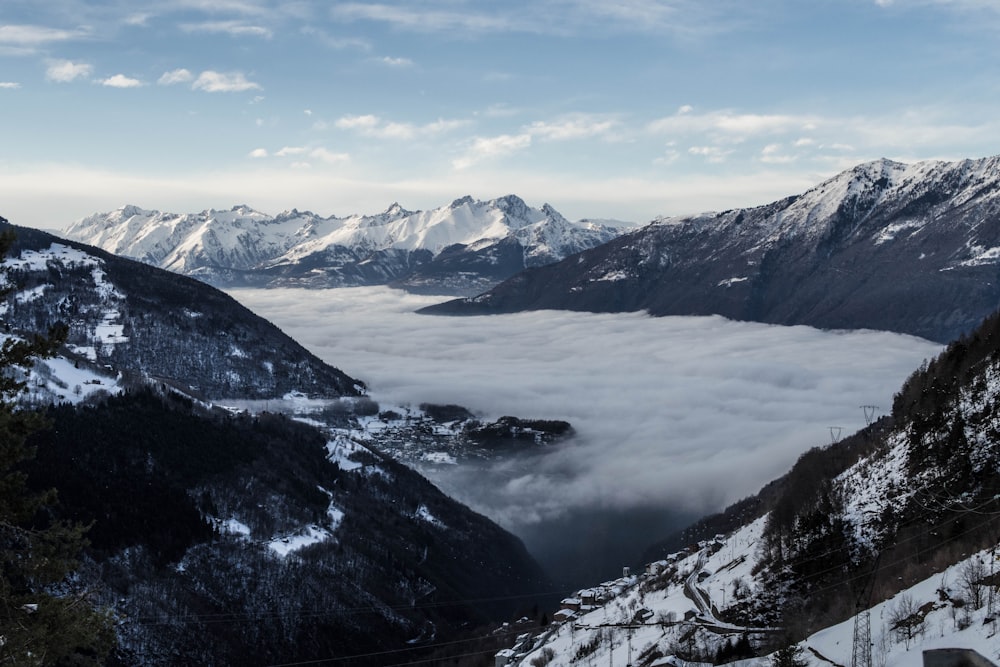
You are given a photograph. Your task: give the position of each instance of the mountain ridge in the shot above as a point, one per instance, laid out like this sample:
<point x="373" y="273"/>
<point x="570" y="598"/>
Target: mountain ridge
<point x="908" y="248"/>
<point x="243" y="247"/>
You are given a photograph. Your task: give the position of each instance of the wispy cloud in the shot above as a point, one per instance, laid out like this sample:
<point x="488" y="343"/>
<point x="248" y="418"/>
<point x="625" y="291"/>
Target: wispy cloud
<point x="423" y="20"/>
<point x="370" y="125"/>
<point x="9" y="85"/>
<point x="713" y="154"/>
<point x="121" y="81"/>
<point x="396" y="62"/>
<point x="328" y="156"/>
<point x="65" y="71"/>
<point x="232" y="28"/>
<point x="337" y="42"/>
<point x="577" y="126"/>
<point x="484" y="148"/>
<point x="244" y="7"/>
<point x="34" y="35"/>
<point x="223" y="82"/>
<point x="730" y="123"/>
<point x="320" y="154"/>
<point x="562" y="17"/>
<point x="175" y="76"/>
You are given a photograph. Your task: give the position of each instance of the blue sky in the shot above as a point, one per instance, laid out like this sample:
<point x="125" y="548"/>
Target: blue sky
<point x="628" y="110"/>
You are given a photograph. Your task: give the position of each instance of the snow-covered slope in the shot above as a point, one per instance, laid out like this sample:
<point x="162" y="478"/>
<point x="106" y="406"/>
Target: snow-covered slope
<point x="243" y="246"/>
<point x="885" y="245"/>
<point x="128" y="318"/>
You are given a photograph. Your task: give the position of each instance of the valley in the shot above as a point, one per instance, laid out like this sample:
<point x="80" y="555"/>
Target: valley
<point x="662" y="408"/>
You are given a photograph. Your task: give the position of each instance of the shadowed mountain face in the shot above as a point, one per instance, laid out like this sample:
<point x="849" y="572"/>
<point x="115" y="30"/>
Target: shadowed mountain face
<point x="907" y="248"/>
<point x="138" y="319"/>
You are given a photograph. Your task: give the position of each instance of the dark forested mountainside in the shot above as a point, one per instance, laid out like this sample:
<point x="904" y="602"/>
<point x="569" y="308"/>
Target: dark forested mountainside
<point x="142" y="320"/>
<point x="906" y="248"/>
<point x="229" y="539"/>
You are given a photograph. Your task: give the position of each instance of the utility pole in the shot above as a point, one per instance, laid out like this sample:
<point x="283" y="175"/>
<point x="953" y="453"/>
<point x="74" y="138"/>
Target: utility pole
<point x="861" y="654"/>
<point x="870" y="411"/>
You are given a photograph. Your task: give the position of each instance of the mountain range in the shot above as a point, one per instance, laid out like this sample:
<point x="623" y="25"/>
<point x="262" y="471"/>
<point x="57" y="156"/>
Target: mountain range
<point x="907" y="248"/>
<point x="461" y="248"/>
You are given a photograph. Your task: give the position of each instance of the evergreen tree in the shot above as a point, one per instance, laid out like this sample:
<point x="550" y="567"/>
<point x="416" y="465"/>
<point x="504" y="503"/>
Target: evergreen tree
<point x="789" y="655"/>
<point x="37" y="551"/>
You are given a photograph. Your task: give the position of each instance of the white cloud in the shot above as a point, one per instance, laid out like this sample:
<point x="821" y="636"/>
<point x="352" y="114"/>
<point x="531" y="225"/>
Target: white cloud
<point x="64" y="71"/>
<point x="247" y="7"/>
<point x="491" y="147"/>
<point x="320" y="153"/>
<point x="364" y="122"/>
<point x="175" y="76"/>
<point x="738" y="125"/>
<point x="573" y="127"/>
<point x="33" y="35"/>
<point x="372" y="126"/>
<point x="258" y="153"/>
<point x="711" y="153"/>
<point x="232" y="28"/>
<point x="223" y="82"/>
<point x="121" y="81"/>
<point x="774" y="154"/>
<point x="681" y="403"/>
<point x="328" y="156"/>
<point x="9" y="85"/>
<point x="396" y="62"/>
<point x="422" y="20"/>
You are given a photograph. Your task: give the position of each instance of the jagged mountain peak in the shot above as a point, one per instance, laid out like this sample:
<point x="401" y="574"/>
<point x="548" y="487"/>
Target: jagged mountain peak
<point x="462" y="201"/>
<point x="243" y="246"/>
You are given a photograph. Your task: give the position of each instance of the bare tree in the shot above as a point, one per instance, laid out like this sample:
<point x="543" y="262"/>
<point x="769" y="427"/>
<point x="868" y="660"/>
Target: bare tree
<point x="905" y="619"/>
<point x="970" y="578"/>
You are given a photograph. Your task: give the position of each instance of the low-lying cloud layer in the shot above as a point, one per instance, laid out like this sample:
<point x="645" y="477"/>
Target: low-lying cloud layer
<point x="682" y="413"/>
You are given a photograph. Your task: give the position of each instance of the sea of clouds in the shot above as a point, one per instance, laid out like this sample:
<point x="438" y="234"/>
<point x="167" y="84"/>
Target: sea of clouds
<point x="674" y="417"/>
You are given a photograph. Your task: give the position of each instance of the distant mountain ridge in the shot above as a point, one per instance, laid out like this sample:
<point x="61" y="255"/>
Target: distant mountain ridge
<point x="885" y="245"/>
<point x="461" y="248"/>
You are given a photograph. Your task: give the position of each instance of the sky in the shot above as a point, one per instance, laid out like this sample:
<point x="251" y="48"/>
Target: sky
<point x="624" y="110"/>
<point x="674" y="417"/>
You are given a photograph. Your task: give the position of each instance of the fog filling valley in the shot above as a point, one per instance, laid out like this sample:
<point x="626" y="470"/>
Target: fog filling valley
<point x="674" y="417"/>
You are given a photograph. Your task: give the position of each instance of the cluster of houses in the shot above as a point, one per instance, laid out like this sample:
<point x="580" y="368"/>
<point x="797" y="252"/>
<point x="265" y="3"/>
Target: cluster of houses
<point x="589" y="599"/>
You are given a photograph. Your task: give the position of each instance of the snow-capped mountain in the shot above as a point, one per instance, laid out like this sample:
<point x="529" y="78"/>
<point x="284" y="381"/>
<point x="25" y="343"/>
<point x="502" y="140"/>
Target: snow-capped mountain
<point x="887" y="539"/>
<point x="127" y="318"/>
<point x="908" y="248"/>
<point x="454" y="249"/>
